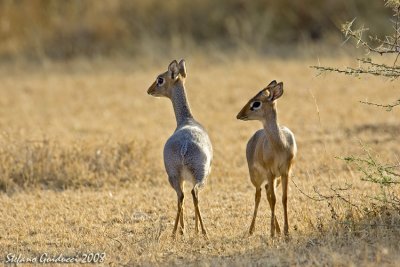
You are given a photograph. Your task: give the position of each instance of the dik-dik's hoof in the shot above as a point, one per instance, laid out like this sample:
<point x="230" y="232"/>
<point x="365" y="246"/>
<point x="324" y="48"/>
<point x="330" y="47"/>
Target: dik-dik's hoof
<point x="204" y="232"/>
<point x="286" y="236"/>
<point x="174" y="233"/>
<point x="278" y="230"/>
<point x="272" y="234"/>
<point x="182" y="231"/>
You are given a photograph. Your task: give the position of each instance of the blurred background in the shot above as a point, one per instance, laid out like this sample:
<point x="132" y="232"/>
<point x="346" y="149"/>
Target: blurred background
<point x="62" y="30"/>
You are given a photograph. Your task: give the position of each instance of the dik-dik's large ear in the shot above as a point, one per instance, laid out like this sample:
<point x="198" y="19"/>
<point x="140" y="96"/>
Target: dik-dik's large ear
<point x="275" y="91"/>
<point x="272" y="84"/>
<point x="173" y="68"/>
<point x="182" y="68"/>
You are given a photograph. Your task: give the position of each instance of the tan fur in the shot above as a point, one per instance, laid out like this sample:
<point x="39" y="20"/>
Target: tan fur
<point x="270" y="151"/>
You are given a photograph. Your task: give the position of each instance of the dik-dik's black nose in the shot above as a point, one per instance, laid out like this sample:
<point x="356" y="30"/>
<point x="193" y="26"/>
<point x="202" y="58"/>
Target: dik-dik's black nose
<point x="241" y="117"/>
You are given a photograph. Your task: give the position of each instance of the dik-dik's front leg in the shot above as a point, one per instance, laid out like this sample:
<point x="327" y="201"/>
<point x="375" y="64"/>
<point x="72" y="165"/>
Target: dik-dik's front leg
<point x="285" y="179"/>
<point x="256" y="204"/>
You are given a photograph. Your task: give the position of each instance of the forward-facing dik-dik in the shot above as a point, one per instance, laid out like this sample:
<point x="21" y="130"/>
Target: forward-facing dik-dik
<point x="188" y="152"/>
<point x="270" y="151"/>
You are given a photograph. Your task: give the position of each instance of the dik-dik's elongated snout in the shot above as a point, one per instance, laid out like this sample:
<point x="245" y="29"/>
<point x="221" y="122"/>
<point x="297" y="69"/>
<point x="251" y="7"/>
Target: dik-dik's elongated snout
<point x="242" y="114"/>
<point x="253" y="110"/>
<point x="152" y="88"/>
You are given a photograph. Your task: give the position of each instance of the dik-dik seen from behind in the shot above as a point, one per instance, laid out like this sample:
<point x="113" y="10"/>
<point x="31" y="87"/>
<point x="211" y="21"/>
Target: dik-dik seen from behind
<point x="188" y="152"/>
<point x="270" y="151"/>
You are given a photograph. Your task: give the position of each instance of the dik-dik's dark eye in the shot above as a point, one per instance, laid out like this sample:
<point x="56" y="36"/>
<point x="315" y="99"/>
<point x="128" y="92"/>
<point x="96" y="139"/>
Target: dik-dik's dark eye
<point x="160" y="81"/>
<point x="255" y="105"/>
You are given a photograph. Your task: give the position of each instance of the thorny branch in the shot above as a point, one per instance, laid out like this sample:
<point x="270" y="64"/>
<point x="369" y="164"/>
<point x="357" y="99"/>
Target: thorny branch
<point x="374" y="171"/>
<point x="388" y="107"/>
<point x="389" y="45"/>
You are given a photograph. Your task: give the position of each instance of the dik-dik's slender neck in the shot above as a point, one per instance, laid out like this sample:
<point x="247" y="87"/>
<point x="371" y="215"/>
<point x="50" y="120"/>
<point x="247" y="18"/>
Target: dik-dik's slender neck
<point x="271" y="127"/>
<point x="180" y="104"/>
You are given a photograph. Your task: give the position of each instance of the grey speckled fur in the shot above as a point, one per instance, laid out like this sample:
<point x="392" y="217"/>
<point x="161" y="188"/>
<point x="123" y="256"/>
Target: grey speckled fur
<point x="188" y="152"/>
<point x="188" y="155"/>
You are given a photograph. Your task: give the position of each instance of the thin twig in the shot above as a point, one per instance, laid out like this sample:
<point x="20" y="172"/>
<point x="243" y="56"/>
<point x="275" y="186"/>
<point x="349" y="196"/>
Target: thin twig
<point x="301" y="191"/>
<point x="371" y="224"/>
<point x="356" y="71"/>
<point x="322" y="197"/>
<point x="388" y="107"/>
<point x="337" y="196"/>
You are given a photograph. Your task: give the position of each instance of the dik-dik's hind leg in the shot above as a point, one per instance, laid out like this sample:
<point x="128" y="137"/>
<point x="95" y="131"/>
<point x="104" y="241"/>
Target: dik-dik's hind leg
<point x="197" y="209"/>
<point x="196" y="217"/>
<point x="277" y="228"/>
<point x="256" y="203"/>
<point x="181" y="219"/>
<point x="180" y="196"/>
<point x="272" y="200"/>
<point x="182" y="224"/>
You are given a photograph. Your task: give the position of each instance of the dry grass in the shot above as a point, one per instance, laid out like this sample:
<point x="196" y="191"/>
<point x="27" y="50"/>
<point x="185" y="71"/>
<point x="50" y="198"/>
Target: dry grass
<point x="81" y="165"/>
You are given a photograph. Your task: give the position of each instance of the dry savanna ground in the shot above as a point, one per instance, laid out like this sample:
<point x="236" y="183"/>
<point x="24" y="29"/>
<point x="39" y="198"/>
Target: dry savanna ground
<point x="81" y="165"/>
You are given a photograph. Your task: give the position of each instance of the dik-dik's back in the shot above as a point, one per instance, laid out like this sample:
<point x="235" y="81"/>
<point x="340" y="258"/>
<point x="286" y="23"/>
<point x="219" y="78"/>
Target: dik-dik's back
<point x="189" y="151"/>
